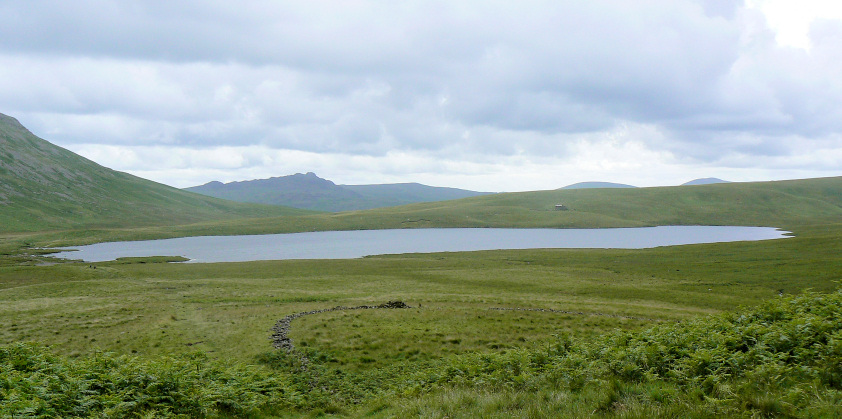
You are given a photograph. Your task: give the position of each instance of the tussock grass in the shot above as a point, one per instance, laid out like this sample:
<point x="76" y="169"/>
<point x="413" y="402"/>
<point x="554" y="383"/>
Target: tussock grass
<point x="782" y="358"/>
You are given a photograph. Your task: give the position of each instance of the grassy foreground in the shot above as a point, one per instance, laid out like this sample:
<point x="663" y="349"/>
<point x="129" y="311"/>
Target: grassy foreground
<point x="192" y="339"/>
<point x="781" y="359"/>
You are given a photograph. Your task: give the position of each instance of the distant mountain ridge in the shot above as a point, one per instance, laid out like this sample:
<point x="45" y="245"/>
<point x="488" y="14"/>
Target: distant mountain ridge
<point x="598" y="185"/>
<point x="705" y="181"/>
<point x="595" y="185"/>
<point x="308" y="191"/>
<point x="43" y="186"/>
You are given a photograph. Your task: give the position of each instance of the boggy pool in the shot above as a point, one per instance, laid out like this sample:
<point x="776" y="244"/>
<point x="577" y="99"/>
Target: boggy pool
<point x="359" y="243"/>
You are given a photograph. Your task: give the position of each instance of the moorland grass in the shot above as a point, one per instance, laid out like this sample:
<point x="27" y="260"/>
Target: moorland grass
<point x="781" y="359"/>
<point x="226" y="309"/>
<point x="382" y="361"/>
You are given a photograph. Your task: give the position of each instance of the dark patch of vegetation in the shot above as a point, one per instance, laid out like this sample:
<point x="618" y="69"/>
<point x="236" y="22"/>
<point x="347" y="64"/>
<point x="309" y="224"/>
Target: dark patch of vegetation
<point x="36" y="383"/>
<point x="150" y="259"/>
<point x="783" y="358"/>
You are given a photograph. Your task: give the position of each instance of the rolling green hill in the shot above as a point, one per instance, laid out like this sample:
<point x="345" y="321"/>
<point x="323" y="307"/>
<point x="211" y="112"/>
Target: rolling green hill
<point x="766" y="203"/>
<point x="44" y="187"/>
<point x="776" y="204"/>
<point x="308" y="191"/>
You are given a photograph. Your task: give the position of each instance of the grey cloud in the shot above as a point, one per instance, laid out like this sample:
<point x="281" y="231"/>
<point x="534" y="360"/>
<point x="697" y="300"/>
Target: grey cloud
<point x="721" y="8"/>
<point x="315" y="35"/>
<point x="478" y="78"/>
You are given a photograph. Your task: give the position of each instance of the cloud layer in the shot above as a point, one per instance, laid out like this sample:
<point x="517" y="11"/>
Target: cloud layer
<point x="487" y="95"/>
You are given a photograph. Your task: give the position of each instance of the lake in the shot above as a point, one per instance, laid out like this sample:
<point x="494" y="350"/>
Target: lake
<point x="359" y="243"/>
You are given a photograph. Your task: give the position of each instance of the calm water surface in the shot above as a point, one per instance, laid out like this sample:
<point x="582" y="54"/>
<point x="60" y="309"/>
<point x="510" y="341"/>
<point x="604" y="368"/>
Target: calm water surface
<point x="355" y="244"/>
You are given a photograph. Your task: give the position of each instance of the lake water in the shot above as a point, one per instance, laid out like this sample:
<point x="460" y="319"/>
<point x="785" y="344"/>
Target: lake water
<point x="355" y="244"/>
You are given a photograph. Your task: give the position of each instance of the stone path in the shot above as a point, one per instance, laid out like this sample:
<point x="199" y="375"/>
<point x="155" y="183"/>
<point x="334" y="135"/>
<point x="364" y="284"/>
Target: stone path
<point x="280" y="332"/>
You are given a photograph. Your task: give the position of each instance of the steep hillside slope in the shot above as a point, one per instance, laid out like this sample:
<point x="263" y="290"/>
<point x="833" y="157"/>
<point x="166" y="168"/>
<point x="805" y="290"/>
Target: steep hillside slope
<point x="43" y="186"/>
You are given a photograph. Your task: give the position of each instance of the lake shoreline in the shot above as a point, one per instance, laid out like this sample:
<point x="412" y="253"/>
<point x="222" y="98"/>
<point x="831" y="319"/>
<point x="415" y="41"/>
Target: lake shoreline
<point x="361" y="243"/>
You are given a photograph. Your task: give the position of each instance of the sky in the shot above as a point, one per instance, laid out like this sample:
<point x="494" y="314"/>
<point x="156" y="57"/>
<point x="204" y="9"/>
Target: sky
<point x="484" y="95"/>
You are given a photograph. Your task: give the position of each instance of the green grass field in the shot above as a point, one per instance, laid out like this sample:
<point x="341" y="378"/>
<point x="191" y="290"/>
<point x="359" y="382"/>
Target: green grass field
<point x="395" y="362"/>
<point x="224" y="311"/>
<point x="161" y="308"/>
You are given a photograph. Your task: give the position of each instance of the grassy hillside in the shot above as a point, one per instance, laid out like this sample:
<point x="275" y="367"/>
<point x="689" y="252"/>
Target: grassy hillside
<point x="794" y="205"/>
<point x="45" y="187"/>
<point x="762" y="203"/>
<point x="783" y="204"/>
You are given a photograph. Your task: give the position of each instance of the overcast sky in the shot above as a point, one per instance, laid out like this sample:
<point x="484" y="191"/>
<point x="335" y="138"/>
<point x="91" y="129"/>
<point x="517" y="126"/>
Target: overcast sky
<point x="484" y="95"/>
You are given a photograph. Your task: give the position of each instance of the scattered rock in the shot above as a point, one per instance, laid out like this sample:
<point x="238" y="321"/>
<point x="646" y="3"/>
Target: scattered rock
<point x="393" y="304"/>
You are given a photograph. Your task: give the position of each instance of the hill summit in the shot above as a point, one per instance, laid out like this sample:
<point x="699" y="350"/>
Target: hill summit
<point x="309" y="191"/>
<point x="597" y="185"/>
<point x="705" y="181"/>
